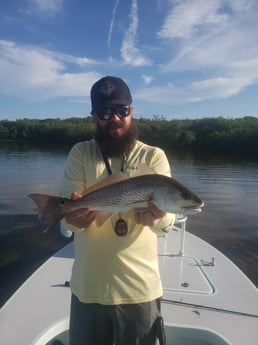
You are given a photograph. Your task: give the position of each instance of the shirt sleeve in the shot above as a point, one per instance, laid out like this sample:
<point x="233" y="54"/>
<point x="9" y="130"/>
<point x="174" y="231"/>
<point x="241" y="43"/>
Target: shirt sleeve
<point x="74" y="179"/>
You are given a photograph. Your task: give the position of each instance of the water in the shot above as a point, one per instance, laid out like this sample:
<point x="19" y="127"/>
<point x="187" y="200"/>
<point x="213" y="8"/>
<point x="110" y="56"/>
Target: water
<point x="229" y="187"/>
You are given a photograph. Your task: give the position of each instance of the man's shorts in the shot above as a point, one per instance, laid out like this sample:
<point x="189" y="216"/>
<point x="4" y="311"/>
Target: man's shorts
<point x="124" y="324"/>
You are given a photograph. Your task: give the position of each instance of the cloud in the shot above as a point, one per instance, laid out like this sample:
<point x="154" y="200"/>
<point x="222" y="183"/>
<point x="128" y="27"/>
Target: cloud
<point x="44" y="7"/>
<point x="147" y="79"/>
<point x="188" y="17"/>
<point x="129" y="51"/>
<point x="163" y="94"/>
<point x="208" y="50"/>
<point x="209" y="33"/>
<point x="221" y="87"/>
<point x="234" y="80"/>
<point x="112" y="25"/>
<point x="241" y="76"/>
<point x="215" y="43"/>
<point x="39" y="74"/>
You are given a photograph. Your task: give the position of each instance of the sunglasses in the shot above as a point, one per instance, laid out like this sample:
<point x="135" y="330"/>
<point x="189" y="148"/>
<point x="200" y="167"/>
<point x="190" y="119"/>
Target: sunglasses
<point x="107" y="113"/>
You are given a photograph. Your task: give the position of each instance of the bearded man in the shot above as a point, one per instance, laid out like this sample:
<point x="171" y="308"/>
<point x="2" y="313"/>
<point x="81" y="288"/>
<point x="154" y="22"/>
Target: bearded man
<point x="115" y="283"/>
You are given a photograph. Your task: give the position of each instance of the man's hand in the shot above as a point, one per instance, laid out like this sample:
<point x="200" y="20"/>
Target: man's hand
<point x="149" y="215"/>
<point x="81" y="218"/>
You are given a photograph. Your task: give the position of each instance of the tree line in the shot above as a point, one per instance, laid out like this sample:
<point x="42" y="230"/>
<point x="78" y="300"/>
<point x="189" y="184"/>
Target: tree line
<point x="239" y="135"/>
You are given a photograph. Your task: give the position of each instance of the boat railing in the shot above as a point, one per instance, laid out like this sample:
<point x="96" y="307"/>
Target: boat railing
<point x="179" y="225"/>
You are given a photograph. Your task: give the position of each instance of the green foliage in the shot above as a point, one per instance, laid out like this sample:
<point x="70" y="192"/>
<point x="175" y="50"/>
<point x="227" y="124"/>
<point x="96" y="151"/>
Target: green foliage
<point x="207" y="134"/>
<point x="54" y="131"/>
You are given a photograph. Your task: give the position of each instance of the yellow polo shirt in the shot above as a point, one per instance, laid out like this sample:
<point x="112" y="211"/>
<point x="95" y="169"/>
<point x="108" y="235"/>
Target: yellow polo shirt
<point x="111" y="269"/>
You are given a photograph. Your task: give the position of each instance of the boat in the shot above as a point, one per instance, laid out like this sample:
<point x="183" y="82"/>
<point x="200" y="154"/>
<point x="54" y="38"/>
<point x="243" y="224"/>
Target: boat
<point x="207" y="300"/>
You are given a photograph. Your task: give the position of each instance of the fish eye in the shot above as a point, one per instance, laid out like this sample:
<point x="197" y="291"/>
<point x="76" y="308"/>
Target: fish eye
<point x="186" y="196"/>
<point x="62" y="202"/>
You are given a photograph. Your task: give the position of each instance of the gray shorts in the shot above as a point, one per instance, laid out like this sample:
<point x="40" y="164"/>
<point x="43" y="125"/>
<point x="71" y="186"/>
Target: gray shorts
<point x="124" y="324"/>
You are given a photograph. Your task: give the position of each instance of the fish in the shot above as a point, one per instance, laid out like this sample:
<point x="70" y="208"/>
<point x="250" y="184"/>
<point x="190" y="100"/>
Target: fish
<point x="120" y="193"/>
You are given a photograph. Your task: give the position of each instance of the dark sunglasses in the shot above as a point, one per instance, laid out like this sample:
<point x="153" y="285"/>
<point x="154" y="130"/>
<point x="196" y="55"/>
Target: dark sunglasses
<point x="107" y="113"/>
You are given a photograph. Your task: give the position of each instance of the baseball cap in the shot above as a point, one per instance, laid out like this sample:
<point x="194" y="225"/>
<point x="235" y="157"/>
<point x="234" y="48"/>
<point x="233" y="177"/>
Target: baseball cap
<point x="110" y="90"/>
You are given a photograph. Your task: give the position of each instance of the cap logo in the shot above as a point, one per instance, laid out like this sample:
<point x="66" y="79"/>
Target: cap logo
<point x="107" y="88"/>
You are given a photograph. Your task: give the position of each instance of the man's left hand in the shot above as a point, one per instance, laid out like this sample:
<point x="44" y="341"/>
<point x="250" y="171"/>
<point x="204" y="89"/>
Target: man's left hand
<point x="149" y="215"/>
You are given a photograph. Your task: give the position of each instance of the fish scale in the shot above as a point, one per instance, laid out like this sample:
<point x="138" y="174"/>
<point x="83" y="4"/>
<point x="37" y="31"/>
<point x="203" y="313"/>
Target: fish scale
<point x="117" y="197"/>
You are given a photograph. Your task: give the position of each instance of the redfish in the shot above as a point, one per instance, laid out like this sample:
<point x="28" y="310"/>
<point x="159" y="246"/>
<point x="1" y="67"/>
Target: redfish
<point x="120" y="193"/>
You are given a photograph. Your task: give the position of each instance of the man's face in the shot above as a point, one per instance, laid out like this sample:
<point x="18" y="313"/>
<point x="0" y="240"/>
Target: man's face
<point x="117" y="126"/>
<point x="117" y="135"/>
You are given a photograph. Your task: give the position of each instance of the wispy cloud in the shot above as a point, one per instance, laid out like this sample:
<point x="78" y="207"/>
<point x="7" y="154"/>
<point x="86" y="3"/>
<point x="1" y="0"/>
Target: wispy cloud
<point x="164" y="94"/>
<point x="38" y="74"/>
<point x="201" y="90"/>
<point x="129" y="51"/>
<point x="45" y="7"/>
<point x="81" y="100"/>
<point x="112" y="25"/>
<point x="209" y="33"/>
<point x="188" y="17"/>
<point x="216" y="41"/>
<point x="202" y="50"/>
<point x="147" y="79"/>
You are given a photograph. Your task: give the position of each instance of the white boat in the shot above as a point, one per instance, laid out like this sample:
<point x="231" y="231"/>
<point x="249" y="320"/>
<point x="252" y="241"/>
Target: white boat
<point x="207" y="300"/>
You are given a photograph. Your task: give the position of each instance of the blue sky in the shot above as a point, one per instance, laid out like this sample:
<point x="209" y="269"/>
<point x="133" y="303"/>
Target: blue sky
<point x="180" y="58"/>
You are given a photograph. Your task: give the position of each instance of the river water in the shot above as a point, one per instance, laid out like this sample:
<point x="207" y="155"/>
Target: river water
<point x="228" y="185"/>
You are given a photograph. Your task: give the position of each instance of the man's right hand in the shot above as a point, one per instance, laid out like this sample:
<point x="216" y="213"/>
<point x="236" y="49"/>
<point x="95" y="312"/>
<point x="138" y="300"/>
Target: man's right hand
<point x="82" y="217"/>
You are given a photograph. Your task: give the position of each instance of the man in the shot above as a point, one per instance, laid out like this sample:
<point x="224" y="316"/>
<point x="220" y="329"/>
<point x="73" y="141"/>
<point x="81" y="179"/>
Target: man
<point x="116" y="287"/>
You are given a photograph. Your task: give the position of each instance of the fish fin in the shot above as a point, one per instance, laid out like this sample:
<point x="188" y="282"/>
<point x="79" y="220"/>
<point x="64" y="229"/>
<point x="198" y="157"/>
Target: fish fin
<point x="102" y="217"/>
<point x="49" y="208"/>
<point x="112" y="179"/>
<point x="144" y="169"/>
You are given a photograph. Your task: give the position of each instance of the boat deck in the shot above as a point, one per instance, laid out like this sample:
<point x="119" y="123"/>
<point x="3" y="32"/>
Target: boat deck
<point x="204" y="289"/>
<point x="203" y="292"/>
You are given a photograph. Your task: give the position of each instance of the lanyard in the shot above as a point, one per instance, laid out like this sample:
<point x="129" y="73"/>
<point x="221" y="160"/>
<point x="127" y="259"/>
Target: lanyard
<point x="105" y="159"/>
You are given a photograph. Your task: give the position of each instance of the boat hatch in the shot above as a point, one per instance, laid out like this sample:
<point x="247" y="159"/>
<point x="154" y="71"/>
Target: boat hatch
<point x="193" y="336"/>
<point x="185" y="275"/>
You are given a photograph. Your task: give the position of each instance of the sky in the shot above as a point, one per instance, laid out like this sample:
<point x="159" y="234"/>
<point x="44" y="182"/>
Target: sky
<point x="182" y="59"/>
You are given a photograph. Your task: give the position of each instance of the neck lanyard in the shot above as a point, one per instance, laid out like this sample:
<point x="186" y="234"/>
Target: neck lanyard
<point x="108" y="167"/>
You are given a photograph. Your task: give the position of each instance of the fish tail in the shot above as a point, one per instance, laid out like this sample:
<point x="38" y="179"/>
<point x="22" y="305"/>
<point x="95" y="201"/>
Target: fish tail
<point x="50" y="209"/>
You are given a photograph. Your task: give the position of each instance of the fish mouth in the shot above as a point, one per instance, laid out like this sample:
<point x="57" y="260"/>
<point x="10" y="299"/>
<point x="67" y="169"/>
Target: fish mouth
<point x="192" y="209"/>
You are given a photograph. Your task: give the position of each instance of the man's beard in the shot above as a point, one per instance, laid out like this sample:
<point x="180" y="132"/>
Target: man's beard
<point x="115" y="147"/>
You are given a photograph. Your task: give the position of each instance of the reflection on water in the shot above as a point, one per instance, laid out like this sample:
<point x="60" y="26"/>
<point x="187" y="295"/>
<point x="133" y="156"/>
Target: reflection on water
<point x="26" y="170"/>
<point x="229" y="187"/>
